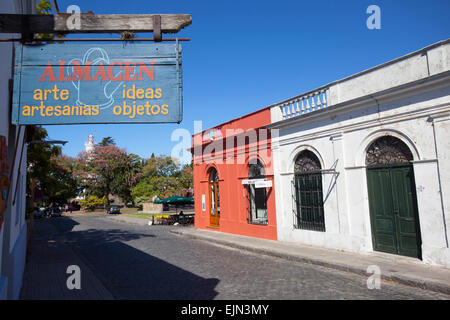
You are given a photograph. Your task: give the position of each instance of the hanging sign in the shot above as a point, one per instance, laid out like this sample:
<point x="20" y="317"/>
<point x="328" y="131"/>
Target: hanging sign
<point x="251" y="181"/>
<point x="77" y="83"/>
<point x="259" y="183"/>
<point x="263" y="184"/>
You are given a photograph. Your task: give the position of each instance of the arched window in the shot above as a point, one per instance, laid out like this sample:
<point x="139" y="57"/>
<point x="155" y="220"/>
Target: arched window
<point x="309" y="212"/>
<point x="256" y="170"/>
<point x="306" y="161"/>
<point x="257" y="196"/>
<point x="213" y="175"/>
<point x="388" y="150"/>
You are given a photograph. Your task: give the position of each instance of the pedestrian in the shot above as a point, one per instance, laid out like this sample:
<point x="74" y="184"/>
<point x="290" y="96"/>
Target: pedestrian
<point x="181" y="217"/>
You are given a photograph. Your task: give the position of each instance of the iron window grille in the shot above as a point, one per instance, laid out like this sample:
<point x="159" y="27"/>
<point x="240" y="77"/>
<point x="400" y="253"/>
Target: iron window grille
<point x="309" y="201"/>
<point x="307" y="193"/>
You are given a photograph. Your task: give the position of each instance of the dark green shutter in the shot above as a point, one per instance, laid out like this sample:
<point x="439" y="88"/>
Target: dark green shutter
<point x="310" y="213"/>
<point x="393" y="210"/>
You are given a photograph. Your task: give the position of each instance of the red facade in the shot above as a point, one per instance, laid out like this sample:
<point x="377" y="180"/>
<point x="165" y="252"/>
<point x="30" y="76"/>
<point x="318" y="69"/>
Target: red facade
<point x="233" y="177"/>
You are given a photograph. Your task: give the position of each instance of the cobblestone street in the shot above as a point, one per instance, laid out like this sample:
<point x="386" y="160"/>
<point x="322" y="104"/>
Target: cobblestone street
<point x="125" y="261"/>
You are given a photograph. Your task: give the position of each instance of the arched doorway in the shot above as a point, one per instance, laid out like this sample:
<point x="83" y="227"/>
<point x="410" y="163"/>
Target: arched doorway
<point x="214" y="198"/>
<point x="308" y="192"/>
<point x="392" y="197"/>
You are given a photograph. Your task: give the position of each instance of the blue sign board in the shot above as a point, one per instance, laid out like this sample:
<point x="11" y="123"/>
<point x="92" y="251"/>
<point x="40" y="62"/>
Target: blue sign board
<point x="76" y="83"/>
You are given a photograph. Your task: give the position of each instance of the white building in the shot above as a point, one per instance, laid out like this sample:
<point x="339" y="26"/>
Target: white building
<point x="13" y="230"/>
<point x="90" y="144"/>
<point x="363" y="164"/>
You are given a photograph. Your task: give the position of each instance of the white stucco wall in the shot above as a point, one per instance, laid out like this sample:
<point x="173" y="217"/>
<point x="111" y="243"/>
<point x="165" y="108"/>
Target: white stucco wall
<point x="441" y="125"/>
<point x="417" y="112"/>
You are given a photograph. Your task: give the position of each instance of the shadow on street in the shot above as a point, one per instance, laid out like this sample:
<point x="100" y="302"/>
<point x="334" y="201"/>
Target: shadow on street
<point x="126" y="272"/>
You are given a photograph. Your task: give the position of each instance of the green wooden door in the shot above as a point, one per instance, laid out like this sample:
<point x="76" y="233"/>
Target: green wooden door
<point x="393" y="210"/>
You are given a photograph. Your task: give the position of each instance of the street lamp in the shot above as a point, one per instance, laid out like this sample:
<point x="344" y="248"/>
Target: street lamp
<point x="48" y="141"/>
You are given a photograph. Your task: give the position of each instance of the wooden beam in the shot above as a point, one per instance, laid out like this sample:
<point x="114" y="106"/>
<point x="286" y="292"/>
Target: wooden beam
<point x="91" y="23"/>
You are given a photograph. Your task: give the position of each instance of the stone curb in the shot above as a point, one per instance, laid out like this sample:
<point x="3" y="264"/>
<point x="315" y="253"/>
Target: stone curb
<point x="387" y="276"/>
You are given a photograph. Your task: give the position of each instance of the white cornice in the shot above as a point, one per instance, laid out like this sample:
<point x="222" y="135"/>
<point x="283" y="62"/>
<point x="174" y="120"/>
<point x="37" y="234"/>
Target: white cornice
<point x="422" y="85"/>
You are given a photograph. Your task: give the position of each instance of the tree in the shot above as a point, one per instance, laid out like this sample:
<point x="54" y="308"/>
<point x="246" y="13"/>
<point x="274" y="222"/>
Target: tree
<point x="162" y="166"/>
<point x="127" y="176"/>
<point x="156" y="186"/>
<point x="50" y="171"/>
<point x="161" y="176"/>
<point x="107" y="141"/>
<point x="140" y="200"/>
<point x="108" y="170"/>
<point x="92" y="202"/>
<point x="185" y="176"/>
<point x="64" y="186"/>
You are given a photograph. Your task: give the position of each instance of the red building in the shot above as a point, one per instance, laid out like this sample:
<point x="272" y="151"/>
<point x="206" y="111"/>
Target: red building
<point x="233" y="177"/>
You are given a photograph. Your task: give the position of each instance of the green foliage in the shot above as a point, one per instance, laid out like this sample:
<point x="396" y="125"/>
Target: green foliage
<point x="162" y="166"/>
<point x="139" y="201"/>
<point x="159" y="186"/>
<point x="50" y="171"/>
<point x="64" y="186"/>
<point x="161" y="176"/>
<point x="109" y="170"/>
<point x="127" y="177"/>
<point x="185" y="176"/>
<point x="92" y="202"/>
<point x="107" y="141"/>
<point x="44" y="7"/>
<point x="106" y="171"/>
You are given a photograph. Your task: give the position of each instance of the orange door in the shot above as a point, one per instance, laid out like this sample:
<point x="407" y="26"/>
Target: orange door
<point x="214" y="204"/>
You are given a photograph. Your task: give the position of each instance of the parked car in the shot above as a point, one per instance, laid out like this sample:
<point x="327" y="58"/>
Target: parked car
<point x="46" y="212"/>
<point x="55" y="212"/>
<point x="113" y="210"/>
<point x="38" y="213"/>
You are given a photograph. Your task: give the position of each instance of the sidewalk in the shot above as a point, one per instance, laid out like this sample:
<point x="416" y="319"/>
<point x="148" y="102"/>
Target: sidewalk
<point x="45" y="276"/>
<point x="394" y="268"/>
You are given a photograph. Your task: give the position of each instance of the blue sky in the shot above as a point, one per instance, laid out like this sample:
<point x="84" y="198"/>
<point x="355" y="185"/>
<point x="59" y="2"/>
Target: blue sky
<point x="245" y="55"/>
